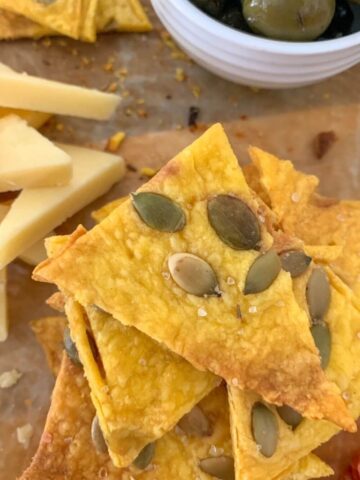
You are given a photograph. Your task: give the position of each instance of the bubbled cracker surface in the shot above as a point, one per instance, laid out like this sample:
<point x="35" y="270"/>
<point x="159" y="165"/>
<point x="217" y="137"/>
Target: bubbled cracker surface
<point x="96" y="270"/>
<point x="141" y="390"/>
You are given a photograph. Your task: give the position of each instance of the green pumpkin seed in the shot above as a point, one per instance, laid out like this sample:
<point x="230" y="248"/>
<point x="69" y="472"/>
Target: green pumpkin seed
<point x="193" y="274"/>
<point x="295" y="262"/>
<point x="318" y="294"/>
<point x="264" y="429"/>
<point x="144" y="458"/>
<point x="159" y="212"/>
<point x="98" y="437"/>
<point x="195" y="423"/>
<point x="219" y="467"/>
<point x="290" y="416"/>
<point x="262" y="273"/>
<point x="234" y="222"/>
<point x="70" y="347"/>
<point x="322" y="338"/>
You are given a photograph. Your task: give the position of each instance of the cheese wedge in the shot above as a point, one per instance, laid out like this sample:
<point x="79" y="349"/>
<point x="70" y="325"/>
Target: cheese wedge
<point x="3" y="307"/>
<point x="19" y="90"/>
<point x="28" y="159"/>
<point x="37" y="211"/>
<point x="36" y="253"/>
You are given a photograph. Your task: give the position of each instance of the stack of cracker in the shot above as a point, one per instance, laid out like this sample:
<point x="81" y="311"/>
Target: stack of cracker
<point x="211" y="331"/>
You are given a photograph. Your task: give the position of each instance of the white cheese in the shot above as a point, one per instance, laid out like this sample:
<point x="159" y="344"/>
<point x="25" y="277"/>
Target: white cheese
<point x="28" y="159"/>
<point x="19" y="90"/>
<point x="4" y="327"/>
<point x="35" y="212"/>
<point x="36" y="253"/>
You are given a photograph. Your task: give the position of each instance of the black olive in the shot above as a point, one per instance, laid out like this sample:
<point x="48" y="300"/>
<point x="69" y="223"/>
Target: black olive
<point x="234" y="17"/>
<point x="212" y="7"/>
<point x="342" y="22"/>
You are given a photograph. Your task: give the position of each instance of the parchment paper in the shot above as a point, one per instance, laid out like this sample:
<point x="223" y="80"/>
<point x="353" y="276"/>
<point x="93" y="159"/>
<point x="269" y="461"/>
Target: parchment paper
<point x="282" y="122"/>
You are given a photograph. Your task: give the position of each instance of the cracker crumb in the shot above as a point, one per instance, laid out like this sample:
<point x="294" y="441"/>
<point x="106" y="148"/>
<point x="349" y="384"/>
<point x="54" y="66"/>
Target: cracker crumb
<point x="196" y="91"/>
<point x="115" y="141"/>
<point x="202" y="312"/>
<point x="295" y="197"/>
<point x="230" y="281"/>
<point x="213" y="452"/>
<point x="148" y="172"/>
<point x="142" y="113"/>
<point x="24" y="434"/>
<point x="253" y="309"/>
<point x="166" y="275"/>
<point x="261" y="218"/>
<point x="180" y="75"/>
<point x="10" y="378"/>
<point x="235" y="382"/>
<point x="59" y="127"/>
<point x="112" y="87"/>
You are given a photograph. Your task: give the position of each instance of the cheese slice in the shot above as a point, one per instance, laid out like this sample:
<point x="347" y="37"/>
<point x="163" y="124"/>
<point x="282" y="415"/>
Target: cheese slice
<point x="37" y="211"/>
<point x="3" y="307"/>
<point x="35" y="119"/>
<point x="28" y="159"/>
<point x="19" y="90"/>
<point x="36" y="253"/>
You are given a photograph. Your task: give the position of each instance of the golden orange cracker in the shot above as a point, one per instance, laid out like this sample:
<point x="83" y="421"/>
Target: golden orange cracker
<point x="63" y="16"/>
<point x="314" y="219"/>
<point x="177" y="455"/>
<point x="138" y="390"/>
<point x="49" y="332"/>
<point x="89" y="11"/>
<point x="13" y="26"/>
<point x="343" y="320"/>
<point x="97" y="268"/>
<point x="122" y="16"/>
<point x="57" y="301"/>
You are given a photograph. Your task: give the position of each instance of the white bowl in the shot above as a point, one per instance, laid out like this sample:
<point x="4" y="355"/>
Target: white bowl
<point x="251" y="60"/>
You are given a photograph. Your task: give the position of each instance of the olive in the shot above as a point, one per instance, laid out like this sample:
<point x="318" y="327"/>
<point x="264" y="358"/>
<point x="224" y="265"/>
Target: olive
<point x="342" y="22"/>
<point x="294" y="20"/>
<point x="234" y="17"/>
<point x="212" y="7"/>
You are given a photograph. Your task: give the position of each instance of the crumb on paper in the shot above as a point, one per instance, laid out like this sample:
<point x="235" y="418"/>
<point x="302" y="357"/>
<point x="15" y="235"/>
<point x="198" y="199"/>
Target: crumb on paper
<point x="193" y="116"/>
<point x="109" y="65"/>
<point x="148" y="172"/>
<point x="180" y="75"/>
<point x="176" y="52"/>
<point x="323" y="143"/>
<point x="24" y="434"/>
<point x="115" y="141"/>
<point x="59" y="127"/>
<point x="196" y="91"/>
<point x="142" y="113"/>
<point x="10" y="378"/>
<point x="112" y="87"/>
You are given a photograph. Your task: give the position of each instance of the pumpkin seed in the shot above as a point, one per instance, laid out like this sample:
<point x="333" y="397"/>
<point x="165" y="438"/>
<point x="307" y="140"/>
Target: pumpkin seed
<point x="295" y="262"/>
<point x="145" y="456"/>
<point x="98" y="437"/>
<point x="289" y="415"/>
<point x="70" y="347"/>
<point x="262" y="273"/>
<point x="218" y="467"/>
<point x="234" y="222"/>
<point x="264" y="429"/>
<point x="193" y="274"/>
<point x="159" y="212"/>
<point x="318" y="294"/>
<point x="322" y="338"/>
<point x="195" y="423"/>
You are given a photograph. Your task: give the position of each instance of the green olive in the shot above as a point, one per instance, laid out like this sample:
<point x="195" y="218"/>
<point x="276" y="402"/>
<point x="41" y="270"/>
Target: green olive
<point x="294" y="20"/>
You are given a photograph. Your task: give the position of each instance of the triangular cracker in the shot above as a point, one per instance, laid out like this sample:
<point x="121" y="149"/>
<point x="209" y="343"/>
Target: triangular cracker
<point x="316" y="220"/>
<point x="257" y="354"/>
<point x="343" y="319"/>
<point x="177" y="456"/>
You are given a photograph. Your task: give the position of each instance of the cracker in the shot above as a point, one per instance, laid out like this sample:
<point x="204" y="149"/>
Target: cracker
<point x="122" y="16"/>
<point x="314" y="219"/>
<point x="97" y="267"/>
<point x="63" y="16"/>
